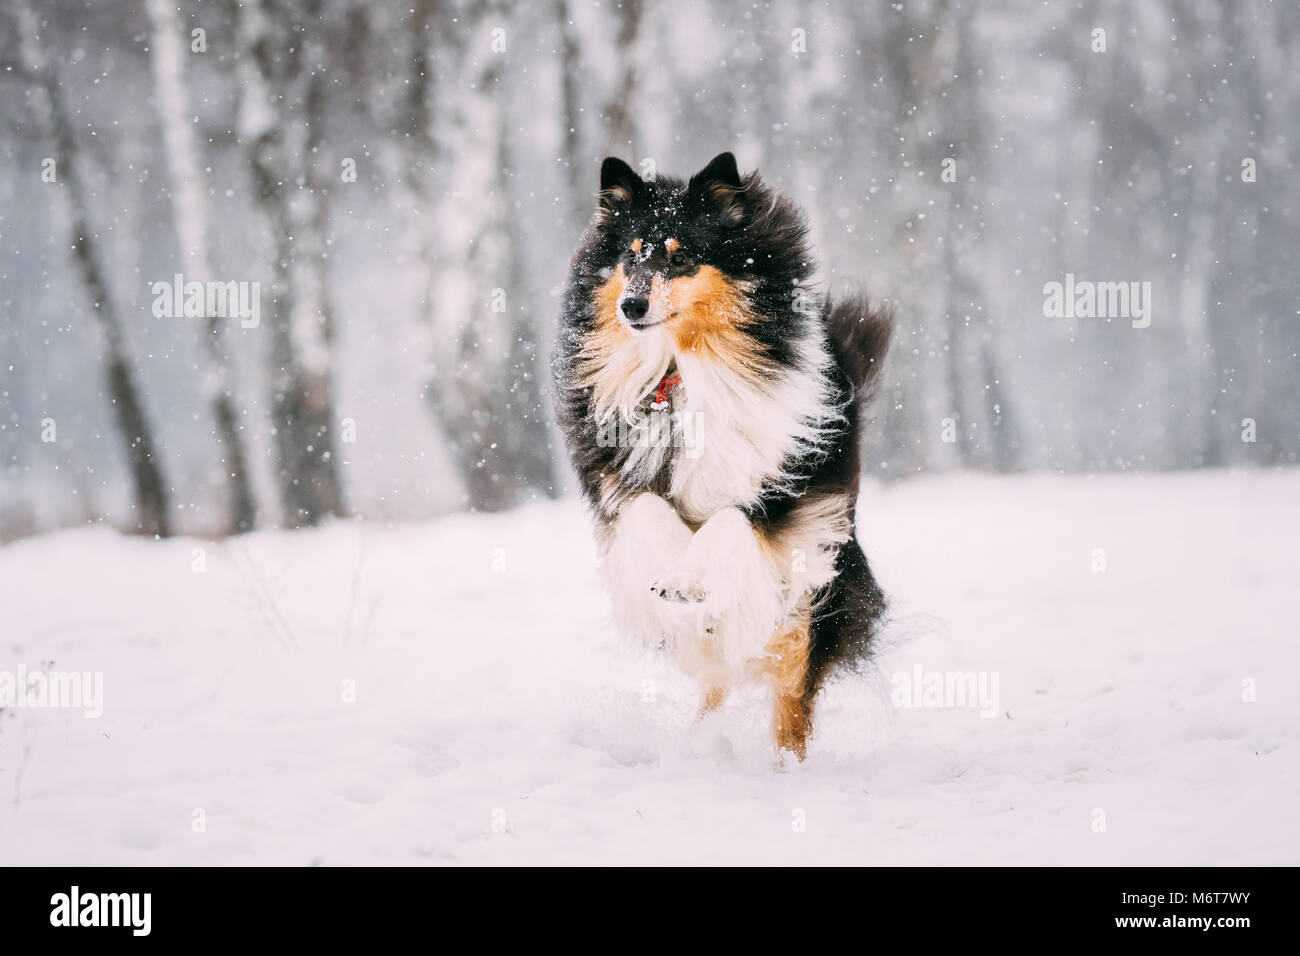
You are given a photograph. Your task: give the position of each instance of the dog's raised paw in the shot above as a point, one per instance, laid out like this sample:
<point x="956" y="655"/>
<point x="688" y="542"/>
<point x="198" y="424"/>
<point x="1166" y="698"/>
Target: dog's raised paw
<point x="680" y="593"/>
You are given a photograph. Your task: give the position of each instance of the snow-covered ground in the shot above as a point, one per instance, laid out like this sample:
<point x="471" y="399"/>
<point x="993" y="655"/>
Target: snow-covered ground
<point x="497" y="719"/>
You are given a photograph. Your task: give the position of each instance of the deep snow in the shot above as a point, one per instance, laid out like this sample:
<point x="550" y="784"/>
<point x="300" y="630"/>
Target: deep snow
<point x="498" y="719"/>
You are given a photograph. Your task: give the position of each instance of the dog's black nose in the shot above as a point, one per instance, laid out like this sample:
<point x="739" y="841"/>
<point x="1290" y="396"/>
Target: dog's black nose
<point x="635" y="307"/>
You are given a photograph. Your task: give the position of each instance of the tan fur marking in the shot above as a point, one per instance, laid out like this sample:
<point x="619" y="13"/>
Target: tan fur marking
<point x="786" y="666"/>
<point x="636" y="246"/>
<point x="706" y="313"/>
<point x="607" y="301"/>
<point x="711" y="700"/>
<point x="597" y="365"/>
<point x="672" y="245"/>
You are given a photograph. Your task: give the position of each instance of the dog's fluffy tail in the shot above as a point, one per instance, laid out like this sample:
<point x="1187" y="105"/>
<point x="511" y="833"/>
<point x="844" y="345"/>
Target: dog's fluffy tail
<point x="862" y="332"/>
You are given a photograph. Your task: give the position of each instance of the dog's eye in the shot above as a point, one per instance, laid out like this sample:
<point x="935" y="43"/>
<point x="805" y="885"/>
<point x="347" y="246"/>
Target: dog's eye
<point x="678" y="258"/>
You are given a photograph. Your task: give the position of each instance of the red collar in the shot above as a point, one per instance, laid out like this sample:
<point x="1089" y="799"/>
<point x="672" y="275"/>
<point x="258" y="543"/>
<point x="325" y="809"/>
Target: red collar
<point x="666" y="385"/>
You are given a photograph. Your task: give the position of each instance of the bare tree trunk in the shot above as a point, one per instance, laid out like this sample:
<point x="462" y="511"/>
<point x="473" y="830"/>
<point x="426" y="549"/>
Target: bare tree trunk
<point x="422" y="158"/>
<point x="151" y="493"/>
<point x="622" y="106"/>
<point x="1246" y="263"/>
<point x="485" y="388"/>
<point x="986" y="433"/>
<point x="917" y="53"/>
<point x="189" y="209"/>
<point x="575" y="173"/>
<point x="281" y="146"/>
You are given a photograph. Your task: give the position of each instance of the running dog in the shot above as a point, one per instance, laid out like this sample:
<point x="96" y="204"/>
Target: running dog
<point x="709" y="395"/>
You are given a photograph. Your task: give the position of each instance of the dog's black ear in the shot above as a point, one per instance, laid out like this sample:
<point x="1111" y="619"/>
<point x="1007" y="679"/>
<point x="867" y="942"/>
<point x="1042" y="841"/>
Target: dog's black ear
<point x="619" y="183"/>
<point x="721" y="171"/>
<point x="720" y="183"/>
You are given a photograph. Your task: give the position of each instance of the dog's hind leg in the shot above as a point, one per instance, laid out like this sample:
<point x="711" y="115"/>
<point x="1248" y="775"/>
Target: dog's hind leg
<point x="711" y="699"/>
<point x="787" y="669"/>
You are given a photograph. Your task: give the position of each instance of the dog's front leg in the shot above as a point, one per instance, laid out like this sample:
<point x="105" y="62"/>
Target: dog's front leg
<point x="647" y="539"/>
<point x="728" y="578"/>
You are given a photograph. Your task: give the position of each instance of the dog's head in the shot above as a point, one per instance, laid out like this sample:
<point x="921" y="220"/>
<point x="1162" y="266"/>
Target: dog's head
<point x="684" y="257"/>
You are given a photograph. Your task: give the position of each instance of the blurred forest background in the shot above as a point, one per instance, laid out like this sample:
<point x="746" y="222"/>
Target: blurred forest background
<point x="406" y="182"/>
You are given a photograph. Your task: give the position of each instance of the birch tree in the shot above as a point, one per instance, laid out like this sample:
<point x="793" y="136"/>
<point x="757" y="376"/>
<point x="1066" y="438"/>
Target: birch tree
<point x="621" y="107"/>
<point x="917" y="52"/>
<point x="151" y="493"/>
<point x="485" y="388"/>
<point x="190" y="214"/>
<point x="281" y="119"/>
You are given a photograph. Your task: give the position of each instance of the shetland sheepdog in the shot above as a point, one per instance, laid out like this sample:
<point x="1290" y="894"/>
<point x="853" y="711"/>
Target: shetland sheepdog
<point x="709" y="395"/>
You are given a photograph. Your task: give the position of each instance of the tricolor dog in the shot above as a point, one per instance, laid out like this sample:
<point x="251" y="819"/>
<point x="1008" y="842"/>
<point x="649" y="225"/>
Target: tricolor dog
<point x="710" y="396"/>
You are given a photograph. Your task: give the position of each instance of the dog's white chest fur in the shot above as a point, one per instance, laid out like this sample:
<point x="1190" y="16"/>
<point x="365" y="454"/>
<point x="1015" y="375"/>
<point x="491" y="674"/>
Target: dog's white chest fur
<point x="718" y="593"/>
<point x="735" y="435"/>
<point x="744" y="434"/>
